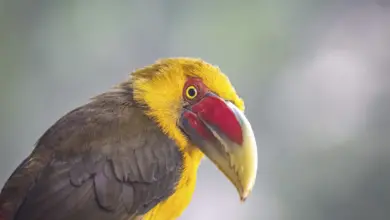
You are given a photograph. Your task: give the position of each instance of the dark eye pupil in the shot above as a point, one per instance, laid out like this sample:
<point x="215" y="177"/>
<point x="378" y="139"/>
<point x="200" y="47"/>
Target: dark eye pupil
<point x="191" y="92"/>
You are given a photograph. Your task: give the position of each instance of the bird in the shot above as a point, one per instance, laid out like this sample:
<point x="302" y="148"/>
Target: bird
<point x="133" y="151"/>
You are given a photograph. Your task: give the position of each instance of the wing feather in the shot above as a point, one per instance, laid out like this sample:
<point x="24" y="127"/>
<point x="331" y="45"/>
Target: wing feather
<point x="104" y="160"/>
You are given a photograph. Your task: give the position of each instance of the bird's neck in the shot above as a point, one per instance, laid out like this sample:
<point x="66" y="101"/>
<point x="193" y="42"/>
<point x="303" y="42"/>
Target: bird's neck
<point x="194" y="153"/>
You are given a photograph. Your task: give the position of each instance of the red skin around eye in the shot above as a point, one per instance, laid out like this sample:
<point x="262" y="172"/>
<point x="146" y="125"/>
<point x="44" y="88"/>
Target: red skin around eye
<point x="212" y="110"/>
<point x="200" y="87"/>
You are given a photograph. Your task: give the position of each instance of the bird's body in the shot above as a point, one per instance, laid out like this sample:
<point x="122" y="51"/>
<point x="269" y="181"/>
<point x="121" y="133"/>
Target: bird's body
<point x="121" y="156"/>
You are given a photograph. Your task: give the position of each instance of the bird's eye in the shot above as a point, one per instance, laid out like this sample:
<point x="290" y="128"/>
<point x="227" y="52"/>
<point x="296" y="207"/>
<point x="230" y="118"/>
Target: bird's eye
<point x="191" y="92"/>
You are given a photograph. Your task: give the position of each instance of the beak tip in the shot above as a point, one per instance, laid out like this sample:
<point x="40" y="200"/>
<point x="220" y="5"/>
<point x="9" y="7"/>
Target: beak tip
<point x="244" y="195"/>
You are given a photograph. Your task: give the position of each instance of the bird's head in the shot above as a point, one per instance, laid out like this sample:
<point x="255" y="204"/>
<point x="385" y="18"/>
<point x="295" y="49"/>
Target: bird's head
<point x="195" y="104"/>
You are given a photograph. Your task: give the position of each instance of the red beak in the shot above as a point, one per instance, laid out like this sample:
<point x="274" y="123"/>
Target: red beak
<point x="222" y="132"/>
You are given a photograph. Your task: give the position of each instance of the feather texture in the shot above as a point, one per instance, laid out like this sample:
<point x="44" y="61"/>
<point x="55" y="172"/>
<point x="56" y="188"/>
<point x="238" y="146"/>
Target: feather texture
<point x="104" y="160"/>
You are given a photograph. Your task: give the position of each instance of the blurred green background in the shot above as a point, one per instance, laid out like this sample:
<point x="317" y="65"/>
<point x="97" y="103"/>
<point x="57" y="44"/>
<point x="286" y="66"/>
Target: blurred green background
<point x="314" y="75"/>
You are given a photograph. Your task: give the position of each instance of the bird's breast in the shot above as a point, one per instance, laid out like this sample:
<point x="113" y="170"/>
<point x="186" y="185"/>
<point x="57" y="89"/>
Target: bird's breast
<point x="174" y="206"/>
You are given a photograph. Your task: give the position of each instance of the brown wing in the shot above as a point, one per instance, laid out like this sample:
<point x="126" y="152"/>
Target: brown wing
<point x="105" y="160"/>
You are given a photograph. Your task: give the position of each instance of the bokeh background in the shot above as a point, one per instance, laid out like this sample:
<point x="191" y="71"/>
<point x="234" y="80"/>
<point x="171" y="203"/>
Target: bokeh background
<point x="314" y="75"/>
